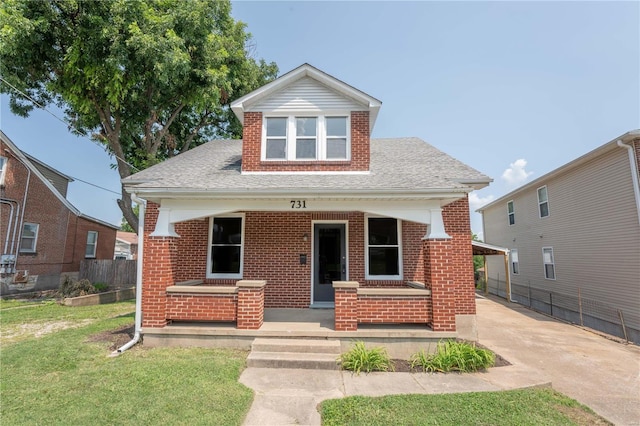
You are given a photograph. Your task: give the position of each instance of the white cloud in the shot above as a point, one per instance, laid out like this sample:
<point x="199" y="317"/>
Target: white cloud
<point x="516" y="174"/>
<point x="475" y="202"/>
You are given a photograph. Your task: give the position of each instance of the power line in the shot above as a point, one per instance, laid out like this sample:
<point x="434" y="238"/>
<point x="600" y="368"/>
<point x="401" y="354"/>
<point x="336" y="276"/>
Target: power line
<point x="62" y="120"/>
<point x="93" y="184"/>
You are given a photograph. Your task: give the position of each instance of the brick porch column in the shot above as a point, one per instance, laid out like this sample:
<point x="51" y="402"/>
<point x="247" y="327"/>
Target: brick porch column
<point x="250" y="314"/>
<point x="439" y="278"/>
<point x="346" y="305"/>
<point x="158" y="273"/>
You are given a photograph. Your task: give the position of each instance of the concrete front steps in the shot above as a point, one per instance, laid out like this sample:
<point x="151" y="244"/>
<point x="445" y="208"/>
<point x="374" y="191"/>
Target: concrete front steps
<point x="294" y="353"/>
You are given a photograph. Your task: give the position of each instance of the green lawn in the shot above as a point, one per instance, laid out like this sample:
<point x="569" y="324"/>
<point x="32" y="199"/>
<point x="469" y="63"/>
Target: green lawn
<point x="56" y="376"/>
<point x="518" y="408"/>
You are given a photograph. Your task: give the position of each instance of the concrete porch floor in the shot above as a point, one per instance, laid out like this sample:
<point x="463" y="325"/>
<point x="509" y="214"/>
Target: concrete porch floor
<point x="400" y="340"/>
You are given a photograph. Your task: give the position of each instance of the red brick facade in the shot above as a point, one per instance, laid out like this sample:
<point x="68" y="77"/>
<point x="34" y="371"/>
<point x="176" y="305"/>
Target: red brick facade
<point x="252" y="145"/>
<point x="62" y="235"/>
<point x="273" y="242"/>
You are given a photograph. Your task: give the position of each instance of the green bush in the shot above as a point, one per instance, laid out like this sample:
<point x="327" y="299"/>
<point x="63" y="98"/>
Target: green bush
<point x="101" y="287"/>
<point x="451" y="355"/>
<point x="359" y="358"/>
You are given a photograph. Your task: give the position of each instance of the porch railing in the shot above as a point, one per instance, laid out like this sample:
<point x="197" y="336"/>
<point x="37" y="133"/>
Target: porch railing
<point x="355" y="305"/>
<point x="242" y="303"/>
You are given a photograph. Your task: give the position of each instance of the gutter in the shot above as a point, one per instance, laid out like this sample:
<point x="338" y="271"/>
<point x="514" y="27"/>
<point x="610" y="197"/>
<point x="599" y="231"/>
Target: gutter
<point x="634" y="174"/>
<point x="138" y="315"/>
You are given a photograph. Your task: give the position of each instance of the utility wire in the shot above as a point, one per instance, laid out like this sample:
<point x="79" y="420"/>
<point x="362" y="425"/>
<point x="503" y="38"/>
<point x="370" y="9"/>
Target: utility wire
<point x="93" y="184"/>
<point x="62" y="120"/>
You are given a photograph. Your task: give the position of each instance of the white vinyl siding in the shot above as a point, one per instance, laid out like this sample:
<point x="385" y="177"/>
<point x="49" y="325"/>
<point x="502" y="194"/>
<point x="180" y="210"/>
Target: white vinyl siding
<point x="307" y="95"/>
<point x="594" y="232"/>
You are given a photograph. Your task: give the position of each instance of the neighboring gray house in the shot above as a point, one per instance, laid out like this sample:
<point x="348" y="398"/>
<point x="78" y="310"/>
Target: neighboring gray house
<point x="574" y="240"/>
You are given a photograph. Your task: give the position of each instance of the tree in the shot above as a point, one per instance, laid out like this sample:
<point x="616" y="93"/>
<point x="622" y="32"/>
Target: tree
<point x="124" y="225"/>
<point x="148" y="78"/>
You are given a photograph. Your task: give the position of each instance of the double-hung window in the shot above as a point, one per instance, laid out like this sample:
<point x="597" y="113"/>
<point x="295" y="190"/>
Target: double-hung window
<point x="543" y="201"/>
<point x="515" y="265"/>
<point x="306" y="138"/>
<point x="384" y="256"/>
<point x="226" y="242"/>
<point x="29" y="238"/>
<point x="92" y="244"/>
<point x="511" y="213"/>
<point x="549" y="263"/>
<point x="3" y="167"/>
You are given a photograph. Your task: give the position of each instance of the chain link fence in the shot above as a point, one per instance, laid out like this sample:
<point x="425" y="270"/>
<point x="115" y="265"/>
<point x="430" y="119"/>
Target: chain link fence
<point x="572" y="308"/>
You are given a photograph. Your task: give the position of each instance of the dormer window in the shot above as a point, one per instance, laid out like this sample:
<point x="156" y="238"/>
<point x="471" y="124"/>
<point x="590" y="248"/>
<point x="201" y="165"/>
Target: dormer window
<point x="306" y="138"/>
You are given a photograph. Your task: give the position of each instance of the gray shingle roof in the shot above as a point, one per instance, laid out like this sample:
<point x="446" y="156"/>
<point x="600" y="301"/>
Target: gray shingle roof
<point x="397" y="164"/>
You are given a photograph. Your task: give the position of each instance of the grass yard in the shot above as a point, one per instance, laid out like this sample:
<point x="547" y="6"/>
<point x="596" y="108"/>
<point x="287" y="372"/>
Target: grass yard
<point x="54" y="372"/>
<point x="518" y="408"/>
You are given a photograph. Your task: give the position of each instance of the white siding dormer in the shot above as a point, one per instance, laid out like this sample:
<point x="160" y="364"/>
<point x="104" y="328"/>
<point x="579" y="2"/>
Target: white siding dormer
<point x="306" y="95"/>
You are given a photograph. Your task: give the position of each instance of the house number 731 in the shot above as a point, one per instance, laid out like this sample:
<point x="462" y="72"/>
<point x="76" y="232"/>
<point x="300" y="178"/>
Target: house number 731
<point x="298" y="204"/>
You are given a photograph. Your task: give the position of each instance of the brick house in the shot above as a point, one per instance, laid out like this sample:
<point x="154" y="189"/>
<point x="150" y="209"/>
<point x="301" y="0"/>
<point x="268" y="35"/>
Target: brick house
<point x="43" y="236"/>
<point x="308" y="211"/>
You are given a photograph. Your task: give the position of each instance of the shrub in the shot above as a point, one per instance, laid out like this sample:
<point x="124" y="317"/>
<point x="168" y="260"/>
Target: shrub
<point x="101" y="287"/>
<point x="454" y="356"/>
<point x="359" y="358"/>
<point x="73" y="288"/>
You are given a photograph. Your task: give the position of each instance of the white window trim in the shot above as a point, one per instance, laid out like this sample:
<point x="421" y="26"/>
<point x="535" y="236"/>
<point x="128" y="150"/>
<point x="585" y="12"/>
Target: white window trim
<point x="512" y="213"/>
<point x="3" y="162"/>
<point x="35" y="239"/>
<point x="553" y="262"/>
<point x="321" y="136"/>
<point x="95" y="246"/>
<point x="367" y="276"/>
<point x="517" y="261"/>
<point x="211" y="275"/>
<point x="541" y="202"/>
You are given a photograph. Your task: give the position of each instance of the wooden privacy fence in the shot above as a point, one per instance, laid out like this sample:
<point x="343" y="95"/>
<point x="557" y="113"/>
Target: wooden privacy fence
<point x="115" y="273"/>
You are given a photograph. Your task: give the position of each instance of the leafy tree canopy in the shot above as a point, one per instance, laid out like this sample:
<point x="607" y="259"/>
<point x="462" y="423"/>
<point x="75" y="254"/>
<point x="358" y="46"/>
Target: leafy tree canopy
<point x="147" y="78"/>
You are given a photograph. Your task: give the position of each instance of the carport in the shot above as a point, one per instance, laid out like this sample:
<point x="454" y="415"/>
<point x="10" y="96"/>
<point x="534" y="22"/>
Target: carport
<point x="484" y="250"/>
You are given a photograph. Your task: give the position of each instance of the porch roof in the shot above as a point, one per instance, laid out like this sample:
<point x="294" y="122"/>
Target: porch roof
<point x="398" y="165"/>
<point x="484" y="249"/>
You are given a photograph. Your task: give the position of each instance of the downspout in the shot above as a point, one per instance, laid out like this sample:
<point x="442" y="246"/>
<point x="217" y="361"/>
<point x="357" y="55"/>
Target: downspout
<point x="138" y="320"/>
<point x="6" y="241"/>
<point x="634" y="174"/>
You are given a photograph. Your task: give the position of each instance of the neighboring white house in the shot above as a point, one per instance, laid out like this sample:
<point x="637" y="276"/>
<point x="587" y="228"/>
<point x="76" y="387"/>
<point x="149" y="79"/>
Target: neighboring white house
<point x="574" y="240"/>
<point x="126" y="245"/>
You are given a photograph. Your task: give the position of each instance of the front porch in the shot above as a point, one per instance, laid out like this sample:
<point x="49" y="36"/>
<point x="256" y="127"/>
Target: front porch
<point x="400" y="340"/>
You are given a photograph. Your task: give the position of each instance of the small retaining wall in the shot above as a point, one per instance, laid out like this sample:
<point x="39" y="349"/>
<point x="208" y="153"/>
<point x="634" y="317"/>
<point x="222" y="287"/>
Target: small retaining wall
<point x="243" y="303"/>
<point x="354" y="305"/>
<point x="100" y="298"/>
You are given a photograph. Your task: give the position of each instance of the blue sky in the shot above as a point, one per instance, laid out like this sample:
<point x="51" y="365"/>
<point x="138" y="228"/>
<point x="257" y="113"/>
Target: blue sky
<point x="514" y="89"/>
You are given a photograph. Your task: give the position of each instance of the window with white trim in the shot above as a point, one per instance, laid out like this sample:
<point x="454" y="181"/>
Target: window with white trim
<point x="3" y="167"/>
<point x="543" y="202"/>
<point x="306" y="138"/>
<point x="511" y="213"/>
<point x="226" y="247"/>
<point x="92" y="244"/>
<point x="549" y="263"/>
<point x="515" y="266"/>
<point x="383" y="248"/>
<point x="29" y="238"/>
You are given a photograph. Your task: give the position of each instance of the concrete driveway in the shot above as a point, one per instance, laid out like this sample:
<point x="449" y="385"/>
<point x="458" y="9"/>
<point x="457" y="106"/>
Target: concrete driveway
<point x="598" y="372"/>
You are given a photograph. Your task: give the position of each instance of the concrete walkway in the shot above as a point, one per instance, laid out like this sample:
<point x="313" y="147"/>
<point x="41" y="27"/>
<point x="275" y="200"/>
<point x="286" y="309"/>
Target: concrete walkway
<point x="597" y="372"/>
